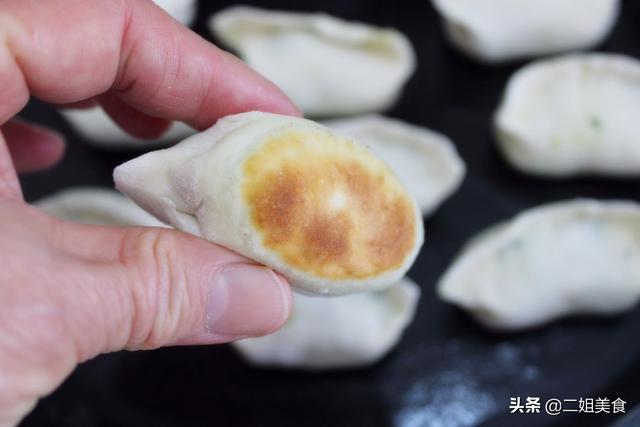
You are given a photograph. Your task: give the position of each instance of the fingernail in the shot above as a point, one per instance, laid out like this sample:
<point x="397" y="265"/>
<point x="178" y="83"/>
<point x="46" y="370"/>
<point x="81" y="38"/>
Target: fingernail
<point x="246" y="301"/>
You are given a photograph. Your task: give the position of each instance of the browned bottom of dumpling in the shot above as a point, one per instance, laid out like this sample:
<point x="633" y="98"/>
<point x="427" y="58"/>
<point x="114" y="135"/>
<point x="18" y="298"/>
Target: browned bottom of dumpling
<point x="328" y="206"/>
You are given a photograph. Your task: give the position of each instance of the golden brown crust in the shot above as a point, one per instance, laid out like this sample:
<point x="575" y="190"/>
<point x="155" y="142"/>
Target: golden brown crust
<point x="327" y="206"/>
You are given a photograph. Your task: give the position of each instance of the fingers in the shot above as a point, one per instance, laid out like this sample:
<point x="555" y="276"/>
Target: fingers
<point x="32" y="147"/>
<point x="132" y="47"/>
<point x="198" y="83"/>
<point x="87" y="103"/>
<point x="136" y="123"/>
<point x="84" y="290"/>
<point x="143" y="288"/>
<point x="9" y="184"/>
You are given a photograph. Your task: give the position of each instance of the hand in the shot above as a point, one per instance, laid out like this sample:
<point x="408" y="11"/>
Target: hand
<point x="69" y="292"/>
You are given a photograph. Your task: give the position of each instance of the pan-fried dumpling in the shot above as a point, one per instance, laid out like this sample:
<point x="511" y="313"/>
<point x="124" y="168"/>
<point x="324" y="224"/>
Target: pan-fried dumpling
<point x="578" y="114"/>
<point x="339" y="332"/>
<point x="327" y="66"/>
<point x="501" y="30"/>
<point x="566" y="258"/>
<point x="94" y="205"/>
<point x="183" y="11"/>
<point x="289" y="193"/>
<point x="425" y="161"/>
<point x="97" y="128"/>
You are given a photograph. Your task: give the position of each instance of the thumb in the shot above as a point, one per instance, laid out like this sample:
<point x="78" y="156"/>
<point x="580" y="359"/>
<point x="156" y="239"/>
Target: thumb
<point x="143" y="288"/>
<point x="69" y="292"/>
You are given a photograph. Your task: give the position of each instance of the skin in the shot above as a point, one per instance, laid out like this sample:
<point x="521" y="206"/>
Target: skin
<point x="69" y="292"/>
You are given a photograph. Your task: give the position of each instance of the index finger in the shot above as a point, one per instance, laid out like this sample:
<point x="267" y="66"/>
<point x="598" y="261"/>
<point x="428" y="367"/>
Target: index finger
<point x="130" y="47"/>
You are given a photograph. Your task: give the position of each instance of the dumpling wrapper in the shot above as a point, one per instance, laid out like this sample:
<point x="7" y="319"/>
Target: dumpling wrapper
<point x="568" y="258"/>
<point x="573" y="115"/>
<point x="501" y="30"/>
<point x="425" y="161"/>
<point x="289" y="193"/>
<point x="95" y="205"/>
<point x="327" y="66"/>
<point x="339" y="332"/>
<point x="97" y="128"/>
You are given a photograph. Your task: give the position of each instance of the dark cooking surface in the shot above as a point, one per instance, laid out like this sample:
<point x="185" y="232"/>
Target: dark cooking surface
<point x="446" y="372"/>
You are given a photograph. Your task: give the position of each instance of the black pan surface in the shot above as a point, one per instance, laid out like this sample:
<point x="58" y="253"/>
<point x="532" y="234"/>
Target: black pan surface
<point x="447" y="371"/>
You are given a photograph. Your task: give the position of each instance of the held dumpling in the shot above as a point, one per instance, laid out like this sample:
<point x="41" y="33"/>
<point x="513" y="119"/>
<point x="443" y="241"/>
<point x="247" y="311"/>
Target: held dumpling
<point x="425" y="161"/>
<point x="327" y="66"/>
<point x="97" y="128"/>
<point x="577" y="114"/>
<point x="339" y="332"/>
<point x="287" y="192"/>
<point x="94" y="205"/>
<point x="575" y="257"/>
<point x="501" y="30"/>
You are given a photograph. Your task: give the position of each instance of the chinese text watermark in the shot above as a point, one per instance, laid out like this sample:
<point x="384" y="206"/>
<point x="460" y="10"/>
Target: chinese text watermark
<point x="553" y="406"/>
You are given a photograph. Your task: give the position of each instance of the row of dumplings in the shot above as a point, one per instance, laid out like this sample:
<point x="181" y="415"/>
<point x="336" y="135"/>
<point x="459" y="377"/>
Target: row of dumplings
<point x="492" y="31"/>
<point x="559" y="117"/>
<point x="569" y="115"/>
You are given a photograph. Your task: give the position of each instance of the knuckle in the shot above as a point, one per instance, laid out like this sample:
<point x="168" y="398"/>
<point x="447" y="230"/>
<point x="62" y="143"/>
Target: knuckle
<point x="135" y="80"/>
<point x="159" y="293"/>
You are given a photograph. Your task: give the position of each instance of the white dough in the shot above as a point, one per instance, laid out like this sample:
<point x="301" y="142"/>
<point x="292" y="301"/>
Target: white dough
<point x="289" y="193"/>
<point x="577" y="114"/>
<point x="566" y="258"/>
<point x="328" y="66"/>
<point x="501" y="30"/>
<point x="338" y="332"/>
<point x="183" y="11"/>
<point x="97" y="128"/>
<point x="425" y="161"/>
<point x="95" y="205"/>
